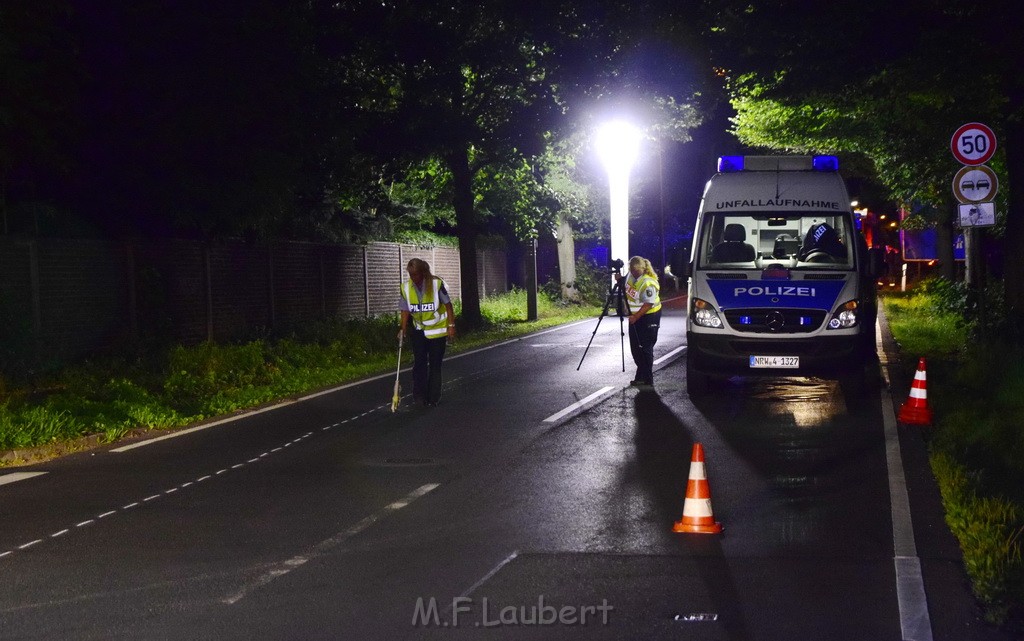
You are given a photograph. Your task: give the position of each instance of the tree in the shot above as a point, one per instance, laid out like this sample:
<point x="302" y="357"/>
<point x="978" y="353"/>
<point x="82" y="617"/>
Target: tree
<point x="487" y="87"/>
<point x="894" y="100"/>
<point x="41" y="81"/>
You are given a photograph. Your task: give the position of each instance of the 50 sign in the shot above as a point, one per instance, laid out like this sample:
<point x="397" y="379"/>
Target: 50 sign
<point x="973" y="144"/>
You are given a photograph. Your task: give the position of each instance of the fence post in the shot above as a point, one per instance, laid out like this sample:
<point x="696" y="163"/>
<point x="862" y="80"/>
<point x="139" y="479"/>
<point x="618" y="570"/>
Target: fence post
<point x="209" y="291"/>
<point x="366" y="278"/>
<point x="271" y="294"/>
<point x="323" y="282"/>
<point x="37" y="307"/>
<point x="133" y="313"/>
<point x="531" y="279"/>
<point x="483" y="273"/>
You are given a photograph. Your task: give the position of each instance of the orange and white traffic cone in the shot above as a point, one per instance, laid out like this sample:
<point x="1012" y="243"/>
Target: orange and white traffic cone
<point x="915" y="411"/>
<point x="697" y="517"/>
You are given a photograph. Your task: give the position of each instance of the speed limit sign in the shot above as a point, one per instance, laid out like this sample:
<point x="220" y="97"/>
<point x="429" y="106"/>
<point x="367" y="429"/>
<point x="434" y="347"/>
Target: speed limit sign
<point x="973" y="144"/>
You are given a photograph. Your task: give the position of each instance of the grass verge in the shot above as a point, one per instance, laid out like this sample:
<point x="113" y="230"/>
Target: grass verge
<point x="110" y="397"/>
<point x="976" y="389"/>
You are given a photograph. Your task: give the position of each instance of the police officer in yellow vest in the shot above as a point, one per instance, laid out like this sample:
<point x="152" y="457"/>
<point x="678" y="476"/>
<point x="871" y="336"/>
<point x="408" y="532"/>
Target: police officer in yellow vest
<point x="642" y="292"/>
<point x="425" y="300"/>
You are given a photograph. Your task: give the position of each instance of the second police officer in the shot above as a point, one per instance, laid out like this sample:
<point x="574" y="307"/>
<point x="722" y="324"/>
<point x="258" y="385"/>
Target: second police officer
<point x="642" y="292"/>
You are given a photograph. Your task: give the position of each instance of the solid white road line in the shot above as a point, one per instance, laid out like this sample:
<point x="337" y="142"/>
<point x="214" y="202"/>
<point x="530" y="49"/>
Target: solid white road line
<point x="324" y="546"/>
<point x="670" y="355"/>
<point x="487" y="577"/>
<point x="910" y="594"/>
<point x="197" y="428"/>
<point x="247" y="414"/>
<point x="580" y="405"/>
<point x="18" y="476"/>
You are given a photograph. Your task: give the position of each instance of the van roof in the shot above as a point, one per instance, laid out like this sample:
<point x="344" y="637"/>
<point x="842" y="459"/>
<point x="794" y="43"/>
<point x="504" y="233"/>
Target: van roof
<point x="776" y="191"/>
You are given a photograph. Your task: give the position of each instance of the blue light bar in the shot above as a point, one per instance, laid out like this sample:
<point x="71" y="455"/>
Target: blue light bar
<point x="806" y="320"/>
<point x="825" y="163"/>
<point x="744" y="320"/>
<point x="728" y="164"/>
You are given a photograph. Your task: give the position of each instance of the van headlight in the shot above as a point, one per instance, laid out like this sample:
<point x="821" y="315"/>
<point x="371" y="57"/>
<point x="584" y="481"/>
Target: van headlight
<point x="844" y="317"/>
<point x="705" y="315"/>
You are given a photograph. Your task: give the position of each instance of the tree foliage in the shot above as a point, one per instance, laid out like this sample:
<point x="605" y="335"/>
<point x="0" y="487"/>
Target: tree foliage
<point x="893" y="97"/>
<point x="482" y="88"/>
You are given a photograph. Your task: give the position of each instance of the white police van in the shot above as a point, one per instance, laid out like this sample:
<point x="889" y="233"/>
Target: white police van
<point x="780" y="280"/>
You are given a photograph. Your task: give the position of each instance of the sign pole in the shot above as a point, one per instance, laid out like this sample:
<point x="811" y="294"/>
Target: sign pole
<point x="975" y="185"/>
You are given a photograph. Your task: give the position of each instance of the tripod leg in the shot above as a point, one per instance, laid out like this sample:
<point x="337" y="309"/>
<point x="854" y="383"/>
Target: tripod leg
<point x="604" y="312"/>
<point x="594" y="333"/>
<point x="622" y="344"/>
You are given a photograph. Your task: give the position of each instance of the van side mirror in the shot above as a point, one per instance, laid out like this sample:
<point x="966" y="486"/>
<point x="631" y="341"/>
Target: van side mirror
<point x="680" y="262"/>
<point x="876" y="262"/>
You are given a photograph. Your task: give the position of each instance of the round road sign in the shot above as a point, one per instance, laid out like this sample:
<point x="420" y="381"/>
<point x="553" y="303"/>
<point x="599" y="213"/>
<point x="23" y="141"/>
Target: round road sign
<point x="973" y="144"/>
<point x="975" y="184"/>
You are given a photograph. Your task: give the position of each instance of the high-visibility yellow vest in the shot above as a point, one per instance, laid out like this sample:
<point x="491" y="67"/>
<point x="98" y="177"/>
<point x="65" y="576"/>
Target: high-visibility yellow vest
<point x="634" y="288"/>
<point x="427" y="314"/>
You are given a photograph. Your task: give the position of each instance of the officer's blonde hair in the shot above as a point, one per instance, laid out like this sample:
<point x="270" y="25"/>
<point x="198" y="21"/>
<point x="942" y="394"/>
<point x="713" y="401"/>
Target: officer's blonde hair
<point x="420" y="266"/>
<point x="644" y="264"/>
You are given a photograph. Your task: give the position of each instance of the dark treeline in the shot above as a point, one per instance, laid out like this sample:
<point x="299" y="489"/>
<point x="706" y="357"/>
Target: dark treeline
<point x="152" y="117"/>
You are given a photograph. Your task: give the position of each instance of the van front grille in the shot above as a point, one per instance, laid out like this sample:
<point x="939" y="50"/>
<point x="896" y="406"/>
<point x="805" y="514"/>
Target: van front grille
<point x="824" y="276"/>
<point x="775" y="321"/>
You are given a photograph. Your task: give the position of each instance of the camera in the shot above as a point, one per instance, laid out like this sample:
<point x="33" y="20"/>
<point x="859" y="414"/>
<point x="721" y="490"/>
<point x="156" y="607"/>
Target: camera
<point x="615" y="265"/>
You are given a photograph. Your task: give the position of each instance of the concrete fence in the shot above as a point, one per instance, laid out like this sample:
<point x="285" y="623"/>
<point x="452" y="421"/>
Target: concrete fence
<point x="70" y="297"/>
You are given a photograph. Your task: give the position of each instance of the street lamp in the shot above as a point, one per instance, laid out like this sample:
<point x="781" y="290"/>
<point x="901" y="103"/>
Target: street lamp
<point x="618" y="143"/>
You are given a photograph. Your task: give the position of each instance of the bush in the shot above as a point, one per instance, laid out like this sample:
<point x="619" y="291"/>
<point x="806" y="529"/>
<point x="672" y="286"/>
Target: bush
<point x="208" y="369"/>
<point x="989" y="531"/>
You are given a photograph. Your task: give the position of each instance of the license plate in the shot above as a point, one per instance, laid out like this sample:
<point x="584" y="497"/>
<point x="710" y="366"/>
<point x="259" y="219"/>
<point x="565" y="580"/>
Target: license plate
<point x="783" y="362"/>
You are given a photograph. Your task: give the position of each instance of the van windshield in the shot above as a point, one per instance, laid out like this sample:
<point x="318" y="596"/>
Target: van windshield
<point x="798" y="240"/>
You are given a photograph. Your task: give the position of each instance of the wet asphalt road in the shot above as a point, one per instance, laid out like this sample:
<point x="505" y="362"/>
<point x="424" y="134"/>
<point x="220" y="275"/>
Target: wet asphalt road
<point x="497" y="515"/>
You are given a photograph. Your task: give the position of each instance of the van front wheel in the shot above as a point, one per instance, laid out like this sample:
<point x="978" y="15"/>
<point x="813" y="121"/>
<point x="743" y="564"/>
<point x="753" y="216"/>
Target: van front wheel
<point x="697" y="382"/>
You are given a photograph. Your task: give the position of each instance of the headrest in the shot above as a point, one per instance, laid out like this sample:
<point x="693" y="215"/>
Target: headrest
<point x="822" y="236"/>
<point x="785" y="246"/>
<point x="734" y="233"/>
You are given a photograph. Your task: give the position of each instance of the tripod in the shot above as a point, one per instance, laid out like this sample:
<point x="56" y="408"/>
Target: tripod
<point x="621" y="308"/>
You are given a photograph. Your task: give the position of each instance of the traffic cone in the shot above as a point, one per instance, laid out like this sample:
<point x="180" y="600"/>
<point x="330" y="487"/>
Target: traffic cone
<point x="915" y="411"/>
<point x="697" y="516"/>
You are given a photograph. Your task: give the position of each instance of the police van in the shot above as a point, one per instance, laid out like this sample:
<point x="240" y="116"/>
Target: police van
<point x="781" y="282"/>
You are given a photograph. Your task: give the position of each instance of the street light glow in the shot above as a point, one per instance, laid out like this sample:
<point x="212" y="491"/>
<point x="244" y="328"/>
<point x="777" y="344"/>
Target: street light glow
<point x="618" y="144"/>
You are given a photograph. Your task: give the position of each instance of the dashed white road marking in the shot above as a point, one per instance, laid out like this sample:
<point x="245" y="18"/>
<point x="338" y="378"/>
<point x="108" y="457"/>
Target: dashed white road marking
<point x="14" y="477"/>
<point x="286" y="566"/>
<point x="11" y="478"/>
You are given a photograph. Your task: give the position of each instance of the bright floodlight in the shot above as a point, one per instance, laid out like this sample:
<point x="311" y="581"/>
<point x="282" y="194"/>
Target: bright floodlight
<point x="618" y="143"/>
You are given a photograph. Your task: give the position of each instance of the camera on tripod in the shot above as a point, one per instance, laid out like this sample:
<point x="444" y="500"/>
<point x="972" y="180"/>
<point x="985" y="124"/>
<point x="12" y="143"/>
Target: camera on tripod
<point x="616" y="300"/>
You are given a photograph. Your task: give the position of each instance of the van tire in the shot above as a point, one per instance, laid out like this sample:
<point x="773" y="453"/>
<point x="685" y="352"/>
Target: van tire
<point x="854" y="385"/>
<point x="697" y="382"/>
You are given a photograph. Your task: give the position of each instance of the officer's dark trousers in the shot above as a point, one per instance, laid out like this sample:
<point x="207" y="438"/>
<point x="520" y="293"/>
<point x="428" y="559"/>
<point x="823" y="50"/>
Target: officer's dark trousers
<point x="643" y="334"/>
<point x="426" y="369"/>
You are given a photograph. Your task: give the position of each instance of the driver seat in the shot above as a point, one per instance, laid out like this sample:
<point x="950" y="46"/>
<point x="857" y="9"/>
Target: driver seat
<point x="733" y="248"/>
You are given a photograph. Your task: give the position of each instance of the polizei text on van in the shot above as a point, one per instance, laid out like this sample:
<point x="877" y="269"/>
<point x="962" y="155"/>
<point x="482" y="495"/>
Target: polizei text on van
<point x="775" y="291"/>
